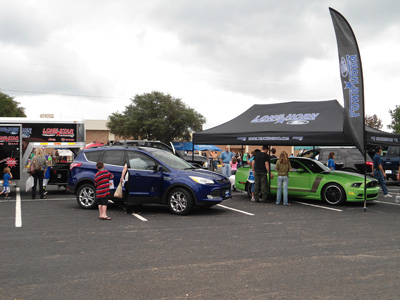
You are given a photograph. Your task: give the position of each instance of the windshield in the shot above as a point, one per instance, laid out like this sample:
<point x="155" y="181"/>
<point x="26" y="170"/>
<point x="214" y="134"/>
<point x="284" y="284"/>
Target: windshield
<point x="170" y="159"/>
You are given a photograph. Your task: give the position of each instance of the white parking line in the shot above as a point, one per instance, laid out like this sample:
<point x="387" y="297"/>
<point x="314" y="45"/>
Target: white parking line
<point x="390" y="203"/>
<point x="237" y="210"/>
<point x="313" y="205"/>
<point x="18" y="214"/>
<point x="139" y="217"/>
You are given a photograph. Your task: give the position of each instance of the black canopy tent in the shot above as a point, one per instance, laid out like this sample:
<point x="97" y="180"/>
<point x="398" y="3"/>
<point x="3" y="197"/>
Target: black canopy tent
<point x="308" y="123"/>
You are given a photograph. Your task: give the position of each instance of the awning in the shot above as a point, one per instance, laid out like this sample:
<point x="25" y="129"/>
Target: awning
<point x="188" y="146"/>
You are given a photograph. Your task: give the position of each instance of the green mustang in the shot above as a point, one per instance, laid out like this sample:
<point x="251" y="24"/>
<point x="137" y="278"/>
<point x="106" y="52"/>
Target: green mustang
<point x="310" y="179"/>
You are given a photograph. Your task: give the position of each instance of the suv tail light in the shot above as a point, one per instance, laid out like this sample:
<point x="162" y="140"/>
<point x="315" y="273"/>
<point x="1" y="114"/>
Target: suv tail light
<point x="73" y="165"/>
<point x="369" y="164"/>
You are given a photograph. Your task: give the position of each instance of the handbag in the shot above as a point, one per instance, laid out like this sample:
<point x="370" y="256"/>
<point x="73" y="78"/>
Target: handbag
<point x="35" y="167"/>
<point x="29" y="183"/>
<point x="118" y="191"/>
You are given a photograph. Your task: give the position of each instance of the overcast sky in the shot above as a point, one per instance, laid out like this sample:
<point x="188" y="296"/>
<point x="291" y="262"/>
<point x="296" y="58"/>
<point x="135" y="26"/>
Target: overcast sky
<point x="85" y="59"/>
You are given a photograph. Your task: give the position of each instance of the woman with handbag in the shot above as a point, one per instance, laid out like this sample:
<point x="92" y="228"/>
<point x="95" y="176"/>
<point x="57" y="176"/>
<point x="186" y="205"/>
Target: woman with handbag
<point x="38" y="166"/>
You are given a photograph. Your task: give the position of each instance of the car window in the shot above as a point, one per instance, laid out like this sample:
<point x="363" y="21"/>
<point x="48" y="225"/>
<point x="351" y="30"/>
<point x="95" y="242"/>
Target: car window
<point x="394" y="151"/>
<point x="295" y="165"/>
<point x="93" y="156"/>
<point x="114" y="157"/>
<point x="160" y="146"/>
<point x="355" y="154"/>
<point x="140" y="161"/>
<point x="314" y="166"/>
<point x="325" y="154"/>
<point x="310" y="154"/>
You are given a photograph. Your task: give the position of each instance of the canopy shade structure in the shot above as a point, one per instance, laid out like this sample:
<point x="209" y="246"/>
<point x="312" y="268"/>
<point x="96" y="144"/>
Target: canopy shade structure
<point x="188" y="146"/>
<point x="308" y="123"/>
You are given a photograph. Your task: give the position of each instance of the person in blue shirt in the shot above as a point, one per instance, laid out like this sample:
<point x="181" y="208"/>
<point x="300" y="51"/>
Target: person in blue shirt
<point x="379" y="173"/>
<point x="6" y="182"/>
<point x="226" y="158"/>
<point x="331" y="163"/>
<point x="252" y="183"/>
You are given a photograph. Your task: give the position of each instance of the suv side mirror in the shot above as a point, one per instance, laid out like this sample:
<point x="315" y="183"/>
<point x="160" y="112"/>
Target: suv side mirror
<point x="158" y="168"/>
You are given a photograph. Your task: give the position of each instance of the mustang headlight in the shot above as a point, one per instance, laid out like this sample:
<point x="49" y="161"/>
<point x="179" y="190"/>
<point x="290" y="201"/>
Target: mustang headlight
<point x="356" y="185"/>
<point x="201" y="180"/>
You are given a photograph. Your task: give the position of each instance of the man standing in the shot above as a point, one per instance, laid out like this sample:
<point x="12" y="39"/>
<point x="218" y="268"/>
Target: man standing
<point x="226" y="158"/>
<point x="261" y="170"/>
<point x="379" y="173"/>
<point x="273" y="153"/>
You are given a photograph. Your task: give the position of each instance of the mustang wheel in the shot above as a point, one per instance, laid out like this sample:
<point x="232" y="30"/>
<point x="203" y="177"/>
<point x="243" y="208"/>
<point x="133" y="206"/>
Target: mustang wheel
<point x="180" y="201"/>
<point x="86" y="196"/>
<point x="333" y="194"/>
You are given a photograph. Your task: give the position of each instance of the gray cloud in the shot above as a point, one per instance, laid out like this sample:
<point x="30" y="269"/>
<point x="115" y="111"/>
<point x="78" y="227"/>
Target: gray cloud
<point x="252" y="47"/>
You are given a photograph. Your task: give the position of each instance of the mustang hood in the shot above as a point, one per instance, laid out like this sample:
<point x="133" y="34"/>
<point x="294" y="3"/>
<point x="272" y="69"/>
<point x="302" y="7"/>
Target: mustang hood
<point x="345" y="174"/>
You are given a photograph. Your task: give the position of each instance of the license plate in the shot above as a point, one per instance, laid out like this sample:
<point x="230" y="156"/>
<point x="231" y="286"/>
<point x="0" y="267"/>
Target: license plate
<point x="388" y="171"/>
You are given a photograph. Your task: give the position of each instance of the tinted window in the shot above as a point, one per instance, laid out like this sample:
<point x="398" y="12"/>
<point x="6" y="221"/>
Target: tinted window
<point x="295" y="165"/>
<point x="93" y="156"/>
<point x="325" y="154"/>
<point x="140" y="161"/>
<point x="355" y="154"/>
<point x="114" y="157"/>
<point x="314" y="166"/>
<point x="394" y="151"/>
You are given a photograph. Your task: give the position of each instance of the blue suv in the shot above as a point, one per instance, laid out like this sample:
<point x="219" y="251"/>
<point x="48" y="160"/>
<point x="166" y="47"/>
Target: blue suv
<point x="155" y="176"/>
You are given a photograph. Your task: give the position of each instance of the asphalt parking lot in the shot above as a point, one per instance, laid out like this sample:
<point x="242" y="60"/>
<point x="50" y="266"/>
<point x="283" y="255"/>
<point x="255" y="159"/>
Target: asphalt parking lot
<point x="52" y="249"/>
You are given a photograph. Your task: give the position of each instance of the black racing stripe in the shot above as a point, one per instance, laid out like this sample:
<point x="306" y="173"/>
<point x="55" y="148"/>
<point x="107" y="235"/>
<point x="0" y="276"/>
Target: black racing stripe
<point x="316" y="183"/>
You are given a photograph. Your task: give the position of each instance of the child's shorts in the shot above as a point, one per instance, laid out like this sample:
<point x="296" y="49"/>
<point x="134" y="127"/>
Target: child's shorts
<point x="102" y="201"/>
<point x="6" y="190"/>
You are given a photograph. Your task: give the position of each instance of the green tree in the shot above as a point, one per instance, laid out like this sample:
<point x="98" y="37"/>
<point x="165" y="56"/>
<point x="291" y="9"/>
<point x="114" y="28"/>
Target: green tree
<point x="373" y="121"/>
<point x="9" y="107"/>
<point x="156" y="116"/>
<point x="395" y="125"/>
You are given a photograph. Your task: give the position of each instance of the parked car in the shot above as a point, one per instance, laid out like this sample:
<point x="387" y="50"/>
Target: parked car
<point x="310" y="179"/>
<point x="198" y="161"/>
<point x="391" y="162"/>
<point x="347" y="159"/>
<point x="156" y="176"/>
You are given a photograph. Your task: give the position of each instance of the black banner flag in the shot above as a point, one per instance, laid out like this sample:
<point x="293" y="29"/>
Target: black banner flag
<point x="352" y="81"/>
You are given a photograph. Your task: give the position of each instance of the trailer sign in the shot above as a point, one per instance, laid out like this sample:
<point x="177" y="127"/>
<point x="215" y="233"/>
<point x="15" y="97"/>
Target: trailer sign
<point x="10" y="149"/>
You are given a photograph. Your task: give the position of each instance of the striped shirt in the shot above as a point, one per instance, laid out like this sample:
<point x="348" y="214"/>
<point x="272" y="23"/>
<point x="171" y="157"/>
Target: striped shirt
<point x="102" y="183"/>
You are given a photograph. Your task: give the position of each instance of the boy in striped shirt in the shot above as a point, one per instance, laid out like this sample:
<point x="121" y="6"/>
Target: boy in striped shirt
<point x="102" y="183"/>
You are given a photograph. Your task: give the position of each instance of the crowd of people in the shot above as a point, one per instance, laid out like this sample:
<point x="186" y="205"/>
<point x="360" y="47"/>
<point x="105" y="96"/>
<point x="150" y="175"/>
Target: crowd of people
<point x="259" y="160"/>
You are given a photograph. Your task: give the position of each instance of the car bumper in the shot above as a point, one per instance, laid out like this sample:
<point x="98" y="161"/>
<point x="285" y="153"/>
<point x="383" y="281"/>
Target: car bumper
<point x="214" y="194"/>
<point x="357" y="195"/>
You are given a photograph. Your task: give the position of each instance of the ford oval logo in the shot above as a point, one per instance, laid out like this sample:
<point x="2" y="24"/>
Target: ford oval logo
<point x="344" y="69"/>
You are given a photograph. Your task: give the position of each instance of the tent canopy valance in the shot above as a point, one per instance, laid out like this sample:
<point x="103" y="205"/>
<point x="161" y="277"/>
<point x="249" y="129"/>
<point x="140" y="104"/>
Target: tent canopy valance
<point x="305" y="123"/>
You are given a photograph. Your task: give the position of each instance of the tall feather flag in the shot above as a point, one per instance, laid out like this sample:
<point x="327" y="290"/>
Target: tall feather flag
<point x="352" y="84"/>
<point x="352" y="80"/>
